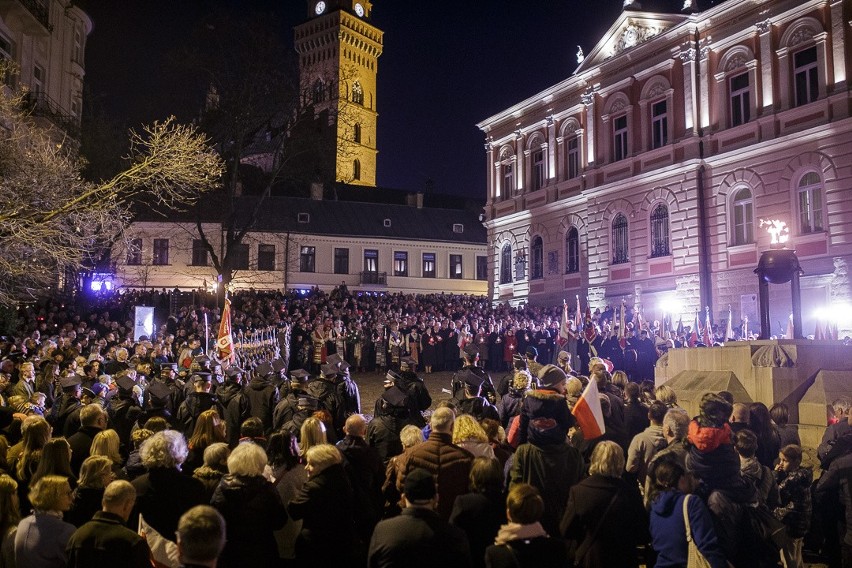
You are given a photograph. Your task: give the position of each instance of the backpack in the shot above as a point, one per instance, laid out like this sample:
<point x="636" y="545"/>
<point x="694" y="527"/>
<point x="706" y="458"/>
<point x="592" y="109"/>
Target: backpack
<point x="769" y="533"/>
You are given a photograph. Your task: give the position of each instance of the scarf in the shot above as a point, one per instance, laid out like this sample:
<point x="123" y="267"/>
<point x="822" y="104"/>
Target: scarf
<point x="515" y="531"/>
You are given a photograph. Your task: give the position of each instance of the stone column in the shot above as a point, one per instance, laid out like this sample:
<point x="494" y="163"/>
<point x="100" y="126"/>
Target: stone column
<point x="704" y="70"/>
<point x="764" y="32"/>
<point x="690" y="89"/>
<point x="551" y="150"/>
<point x="588" y="99"/>
<point x="838" y="33"/>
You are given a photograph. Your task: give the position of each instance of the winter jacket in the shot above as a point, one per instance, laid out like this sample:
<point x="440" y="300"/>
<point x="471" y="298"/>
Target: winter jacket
<point x="479" y="408"/>
<point x="262" y="397"/>
<point x="326" y="507"/>
<point x="794" y="508"/>
<point x="668" y="531"/>
<point x="448" y="463"/>
<point x="383" y="434"/>
<point x="642" y="448"/>
<point x="105" y="542"/>
<point x="162" y="496"/>
<point x="480" y="516"/>
<point x="763" y="479"/>
<point x="252" y="510"/>
<point x="510" y="406"/>
<point x="237" y="409"/>
<point x="418" y="538"/>
<point x="553" y="469"/>
<point x="366" y="472"/>
<point x="330" y="399"/>
<point x="210" y="478"/>
<point x="606" y="531"/>
<point x="544" y="418"/>
<point x="191" y="408"/>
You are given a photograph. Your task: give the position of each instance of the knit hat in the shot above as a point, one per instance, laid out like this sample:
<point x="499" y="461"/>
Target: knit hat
<point x="419" y="485"/>
<point x="714" y="410"/>
<point x="550" y="376"/>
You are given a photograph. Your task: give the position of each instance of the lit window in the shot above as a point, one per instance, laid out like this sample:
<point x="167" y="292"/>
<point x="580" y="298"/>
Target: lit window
<point x="341" y="261"/>
<point x="810" y="203"/>
<point x="573" y="157"/>
<point x="537" y="254"/>
<point x="371" y="261"/>
<point x="266" y="257"/>
<point x="619" y="138"/>
<point x="400" y="263"/>
<point x="307" y="259"/>
<point x="199" y="253"/>
<point x="572" y="251"/>
<point x="620" y="241"/>
<point x="428" y="265"/>
<point x="743" y="218"/>
<point x="506" y="264"/>
<point x="456" y="266"/>
<point x="805" y="76"/>
<point x="538" y="175"/>
<point x="508" y="179"/>
<point x="161" y="252"/>
<point x="134" y="252"/>
<point x="740" y="99"/>
<point x="660" y="231"/>
<point x="659" y="125"/>
<point x="357" y="93"/>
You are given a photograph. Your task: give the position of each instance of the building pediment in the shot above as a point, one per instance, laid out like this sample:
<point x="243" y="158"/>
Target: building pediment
<point x="630" y="30"/>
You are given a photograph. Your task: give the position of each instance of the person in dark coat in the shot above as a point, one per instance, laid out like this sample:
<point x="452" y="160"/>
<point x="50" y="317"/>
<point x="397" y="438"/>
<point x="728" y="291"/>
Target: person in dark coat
<point x="413" y="385"/>
<point x="326" y="507"/>
<point x="510" y="404"/>
<point x="365" y="471"/>
<point x="324" y="389"/>
<point x="164" y="493"/>
<point x="419" y="537"/>
<point x="523" y="542"/>
<point x="262" y="395"/>
<point x="252" y="509"/>
<point x="604" y="519"/>
<point x="471" y="401"/>
<point x="199" y="400"/>
<point x="449" y="463"/>
<point x="95" y="474"/>
<point x="391" y="415"/>
<point x="481" y="512"/>
<point x="105" y="541"/>
<point x="236" y="404"/>
<point x="93" y="420"/>
<point x="545" y="417"/>
<point x="124" y="410"/>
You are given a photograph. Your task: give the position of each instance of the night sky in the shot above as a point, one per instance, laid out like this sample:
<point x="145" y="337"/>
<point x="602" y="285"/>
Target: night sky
<point x="447" y="64"/>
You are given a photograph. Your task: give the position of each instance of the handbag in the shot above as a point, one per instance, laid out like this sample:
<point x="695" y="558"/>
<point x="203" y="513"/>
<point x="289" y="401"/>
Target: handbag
<point x="694" y="558"/>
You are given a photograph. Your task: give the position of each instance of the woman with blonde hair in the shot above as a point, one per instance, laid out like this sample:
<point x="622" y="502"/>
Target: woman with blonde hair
<point x="36" y="432"/>
<point x="468" y="434"/>
<point x="107" y="443"/>
<point x="55" y="460"/>
<point x="95" y="474"/>
<point x="41" y="537"/>
<point x="605" y="517"/>
<point x="313" y="433"/>
<point x="10" y="516"/>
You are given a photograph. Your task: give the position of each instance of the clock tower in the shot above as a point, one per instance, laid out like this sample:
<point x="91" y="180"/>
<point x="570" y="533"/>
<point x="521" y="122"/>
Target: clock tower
<point x="338" y="49"/>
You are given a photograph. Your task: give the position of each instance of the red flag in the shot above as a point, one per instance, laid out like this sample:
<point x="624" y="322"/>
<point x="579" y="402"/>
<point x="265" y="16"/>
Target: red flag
<point x="588" y="413"/>
<point x="564" y="333"/>
<point x="225" y="341"/>
<point x="693" y="336"/>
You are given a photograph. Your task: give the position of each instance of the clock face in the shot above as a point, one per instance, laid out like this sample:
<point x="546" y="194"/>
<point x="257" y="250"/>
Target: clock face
<point x="359" y="9"/>
<point x="319" y="8"/>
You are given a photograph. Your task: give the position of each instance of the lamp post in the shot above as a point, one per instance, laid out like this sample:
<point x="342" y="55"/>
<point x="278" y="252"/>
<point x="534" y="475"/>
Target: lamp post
<point x="778" y="265"/>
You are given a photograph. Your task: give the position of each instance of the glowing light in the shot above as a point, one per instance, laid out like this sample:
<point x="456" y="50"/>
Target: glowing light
<point x="777" y="229"/>
<point x="580" y="55"/>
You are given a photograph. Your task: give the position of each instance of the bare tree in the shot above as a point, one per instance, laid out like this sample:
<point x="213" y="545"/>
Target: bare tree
<point x="53" y="220"/>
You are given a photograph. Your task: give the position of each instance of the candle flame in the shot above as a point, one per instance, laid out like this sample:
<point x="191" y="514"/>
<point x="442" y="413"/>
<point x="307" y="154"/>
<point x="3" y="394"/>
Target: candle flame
<point x="777" y="229"/>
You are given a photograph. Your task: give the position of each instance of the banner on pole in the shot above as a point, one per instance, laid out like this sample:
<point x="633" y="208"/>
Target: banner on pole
<point x="143" y="322"/>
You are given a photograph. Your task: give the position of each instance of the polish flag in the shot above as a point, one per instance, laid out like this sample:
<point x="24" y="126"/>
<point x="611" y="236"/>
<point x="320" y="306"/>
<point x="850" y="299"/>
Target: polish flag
<point x="225" y="340"/>
<point x="564" y="333"/>
<point x="588" y="412"/>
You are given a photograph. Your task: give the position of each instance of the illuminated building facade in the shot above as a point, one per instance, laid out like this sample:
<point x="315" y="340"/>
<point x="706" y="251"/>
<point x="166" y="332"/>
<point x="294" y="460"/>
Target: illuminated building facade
<point x="338" y="51"/>
<point x="644" y="175"/>
<point x="45" y="40"/>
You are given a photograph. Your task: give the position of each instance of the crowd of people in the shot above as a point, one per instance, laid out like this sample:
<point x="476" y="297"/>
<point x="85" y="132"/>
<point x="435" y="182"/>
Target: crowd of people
<point x="117" y="451"/>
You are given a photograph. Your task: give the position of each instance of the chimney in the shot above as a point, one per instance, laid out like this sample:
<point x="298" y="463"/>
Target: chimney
<point x="316" y="191"/>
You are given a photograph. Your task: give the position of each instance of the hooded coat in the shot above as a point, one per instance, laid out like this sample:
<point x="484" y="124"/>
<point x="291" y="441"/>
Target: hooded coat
<point x="668" y="531"/>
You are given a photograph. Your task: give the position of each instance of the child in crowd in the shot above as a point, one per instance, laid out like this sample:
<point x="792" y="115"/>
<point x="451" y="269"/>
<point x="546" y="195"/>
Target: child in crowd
<point x="794" y="510"/>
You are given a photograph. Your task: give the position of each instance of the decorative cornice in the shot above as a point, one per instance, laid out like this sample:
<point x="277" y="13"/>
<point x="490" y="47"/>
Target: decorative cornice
<point x="763" y="27"/>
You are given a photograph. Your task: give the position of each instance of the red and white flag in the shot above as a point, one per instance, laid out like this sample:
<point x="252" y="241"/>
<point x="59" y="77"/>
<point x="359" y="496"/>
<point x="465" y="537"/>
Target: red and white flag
<point x="225" y="341"/>
<point x="578" y="317"/>
<point x="707" y="336"/>
<point x="564" y="333"/>
<point x="588" y="412"/>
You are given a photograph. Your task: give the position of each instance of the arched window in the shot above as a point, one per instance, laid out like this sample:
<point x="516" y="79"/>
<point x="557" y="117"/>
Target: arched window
<point x="357" y="93"/>
<point x="318" y="91"/>
<point x="506" y="264"/>
<point x="810" y="203"/>
<point x="619" y="239"/>
<point x="537" y="254"/>
<point x="572" y="251"/>
<point x="743" y="217"/>
<point x="356" y="169"/>
<point x="357" y="133"/>
<point x="660" y="231"/>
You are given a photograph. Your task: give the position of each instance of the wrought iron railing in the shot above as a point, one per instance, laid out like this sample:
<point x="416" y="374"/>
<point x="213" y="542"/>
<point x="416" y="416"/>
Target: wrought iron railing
<point x="368" y="277"/>
<point x="39" y="104"/>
